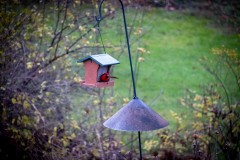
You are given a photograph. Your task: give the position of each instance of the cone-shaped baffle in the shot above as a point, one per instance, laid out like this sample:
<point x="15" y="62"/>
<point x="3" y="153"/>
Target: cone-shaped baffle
<point x="135" y="116"/>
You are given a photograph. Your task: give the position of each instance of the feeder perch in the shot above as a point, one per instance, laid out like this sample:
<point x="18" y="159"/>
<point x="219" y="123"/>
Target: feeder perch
<point x="95" y="67"/>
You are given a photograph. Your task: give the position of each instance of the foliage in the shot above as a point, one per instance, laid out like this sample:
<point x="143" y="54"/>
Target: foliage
<point x="45" y="114"/>
<point x="37" y="79"/>
<point x="214" y="131"/>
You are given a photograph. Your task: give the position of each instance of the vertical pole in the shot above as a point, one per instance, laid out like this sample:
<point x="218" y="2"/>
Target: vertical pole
<point x="130" y="61"/>
<point x="129" y="52"/>
<point x="140" y="145"/>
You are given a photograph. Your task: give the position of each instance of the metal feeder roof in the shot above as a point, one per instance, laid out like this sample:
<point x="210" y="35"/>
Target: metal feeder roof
<point x="136" y="116"/>
<point x="101" y="59"/>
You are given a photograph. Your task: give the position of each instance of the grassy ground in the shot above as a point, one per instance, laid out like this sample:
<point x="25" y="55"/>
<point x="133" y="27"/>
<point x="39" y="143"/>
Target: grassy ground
<point x="176" y="41"/>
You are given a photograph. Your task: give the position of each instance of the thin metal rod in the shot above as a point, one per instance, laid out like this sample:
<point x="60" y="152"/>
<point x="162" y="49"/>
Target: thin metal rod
<point x="140" y="145"/>
<point x="127" y="40"/>
<point x="99" y="32"/>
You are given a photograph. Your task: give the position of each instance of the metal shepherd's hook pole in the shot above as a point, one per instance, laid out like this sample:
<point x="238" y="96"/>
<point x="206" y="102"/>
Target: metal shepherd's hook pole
<point x="130" y="59"/>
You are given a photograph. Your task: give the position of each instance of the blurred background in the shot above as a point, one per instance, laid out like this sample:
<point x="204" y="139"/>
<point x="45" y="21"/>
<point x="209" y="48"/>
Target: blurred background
<point x="186" y="63"/>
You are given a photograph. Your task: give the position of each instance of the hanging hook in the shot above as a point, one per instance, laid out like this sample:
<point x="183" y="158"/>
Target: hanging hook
<point x="98" y="19"/>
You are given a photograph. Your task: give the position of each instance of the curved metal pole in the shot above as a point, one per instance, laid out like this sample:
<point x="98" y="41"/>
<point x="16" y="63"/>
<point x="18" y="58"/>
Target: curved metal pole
<point x="127" y="40"/>
<point x="130" y="60"/>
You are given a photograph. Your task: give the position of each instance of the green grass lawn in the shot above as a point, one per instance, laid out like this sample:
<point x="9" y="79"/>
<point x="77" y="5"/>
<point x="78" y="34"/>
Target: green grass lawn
<point x="176" y="41"/>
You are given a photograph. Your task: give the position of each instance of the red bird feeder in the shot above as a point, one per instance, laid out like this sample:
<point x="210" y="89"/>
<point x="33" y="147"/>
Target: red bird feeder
<point x="97" y="70"/>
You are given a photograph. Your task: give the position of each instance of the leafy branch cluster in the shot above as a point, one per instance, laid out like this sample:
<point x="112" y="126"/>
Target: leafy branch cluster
<point x="214" y="131"/>
<point x="37" y="79"/>
<point x="45" y="113"/>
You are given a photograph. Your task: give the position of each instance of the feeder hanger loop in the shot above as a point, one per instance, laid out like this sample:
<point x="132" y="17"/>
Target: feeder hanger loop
<point x="127" y="40"/>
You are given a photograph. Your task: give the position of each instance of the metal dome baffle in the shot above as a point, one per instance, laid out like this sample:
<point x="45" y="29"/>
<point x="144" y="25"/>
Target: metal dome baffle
<point x="136" y="115"/>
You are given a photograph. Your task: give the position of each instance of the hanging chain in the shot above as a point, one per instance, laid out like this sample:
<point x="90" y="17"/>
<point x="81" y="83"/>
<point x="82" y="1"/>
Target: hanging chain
<point x="99" y="32"/>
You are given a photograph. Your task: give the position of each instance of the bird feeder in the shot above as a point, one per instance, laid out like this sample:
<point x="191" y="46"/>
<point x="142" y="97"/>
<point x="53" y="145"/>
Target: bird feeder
<point x="97" y="70"/>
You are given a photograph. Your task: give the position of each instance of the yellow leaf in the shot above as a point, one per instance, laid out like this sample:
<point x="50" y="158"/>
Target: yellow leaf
<point x="125" y="100"/>
<point x="43" y="84"/>
<point x="13" y="120"/>
<point x="48" y="94"/>
<point x="40" y="71"/>
<point x="73" y="136"/>
<point x="25" y="120"/>
<point x="55" y="131"/>
<point x="65" y="142"/>
<point x="75" y="125"/>
<point x="29" y="65"/>
<point x="77" y="1"/>
<point x="26" y="105"/>
<point x="81" y="28"/>
<point x="77" y="79"/>
<point x="141" y="50"/>
<point x="88" y="14"/>
<point x="14" y="101"/>
<point x="197" y="97"/>
<point x="148" y="145"/>
<point x="141" y="59"/>
<point x="61" y="126"/>
<point x="46" y="100"/>
<point x="96" y="102"/>
<point x="71" y="25"/>
<point x="182" y="101"/>
<point x="37" y="119"/>
<point x="199" y="115"/>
